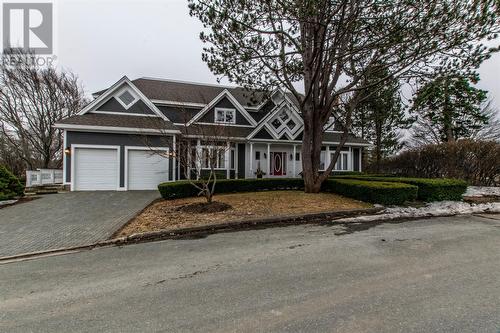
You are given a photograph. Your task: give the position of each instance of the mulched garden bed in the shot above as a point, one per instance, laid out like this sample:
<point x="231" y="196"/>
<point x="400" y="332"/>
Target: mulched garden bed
<point x="194" y="212"/>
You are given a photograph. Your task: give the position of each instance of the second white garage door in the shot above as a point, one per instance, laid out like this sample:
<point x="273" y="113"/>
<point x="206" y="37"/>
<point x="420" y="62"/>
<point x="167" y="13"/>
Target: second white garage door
<point x="146" y="170"/>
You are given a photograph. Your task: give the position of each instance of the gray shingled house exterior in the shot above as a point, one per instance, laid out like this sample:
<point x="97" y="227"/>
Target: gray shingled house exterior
<point x="108" y="145"/>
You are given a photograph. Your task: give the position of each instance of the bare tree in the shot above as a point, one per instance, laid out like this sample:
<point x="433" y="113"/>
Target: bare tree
<point x="490" y="131"/>
<point x="32" y="99"/>
<point x="199" y="163"/>
<point x="330" y="48"/>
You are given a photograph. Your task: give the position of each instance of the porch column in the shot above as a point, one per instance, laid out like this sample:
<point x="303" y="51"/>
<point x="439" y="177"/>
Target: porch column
<point x="349" y="160"/>
<point x="188" y="160"/>
<point x="174" y="161"/>
<point x="198" y="159"/>
<point x="328" y="158"/>
<point x="251" y="159"/>
<point x="294" y="160"/>
<point x="236" y="160"/>
<point x="360" y="149"/>
<point x="268" y="160"/>
<point x="227" y="157"/>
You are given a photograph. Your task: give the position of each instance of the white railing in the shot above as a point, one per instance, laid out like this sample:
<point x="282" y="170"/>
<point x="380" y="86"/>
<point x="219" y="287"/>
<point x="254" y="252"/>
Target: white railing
<point x="43" y="177"/>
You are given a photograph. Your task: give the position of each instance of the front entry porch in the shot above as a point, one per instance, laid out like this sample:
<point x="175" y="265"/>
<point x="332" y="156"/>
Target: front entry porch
<point x="273" y="160"/>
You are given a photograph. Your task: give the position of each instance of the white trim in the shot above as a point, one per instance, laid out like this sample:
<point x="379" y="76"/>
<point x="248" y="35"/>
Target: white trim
<point x="218" y="124"/>
<point x="76" y="146"/>
<point x="124" y="80"/>
<point x="224" y="93"/>
<point x="239" y="139"/>
<point x="251" y="159"/>
<point x="174" y="166"/>
<point x="144" y="148"/>
<point x="124" y="113"/>
<point x="65" y="141"/>
<point x="268" y="159"/>
<point x="294" y="166"/>
<point x="94" y="128"/>
<point x="347" y="144"/>
<point x="274" y="112"/>
<point x="225" y="110"/>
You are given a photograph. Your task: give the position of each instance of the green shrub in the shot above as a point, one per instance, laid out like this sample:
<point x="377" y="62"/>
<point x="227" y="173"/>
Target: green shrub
<point x="428" y="189"/>
<point x="10" y="187"/>
<point x="386" y="193"/>
<point x="184" y="188"/>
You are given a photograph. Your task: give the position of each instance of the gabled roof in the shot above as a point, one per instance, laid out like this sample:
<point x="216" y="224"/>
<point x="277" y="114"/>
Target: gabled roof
<point x="201" y="94"/>
<point x="213" y="102"/>
<point x="103" y="97"/>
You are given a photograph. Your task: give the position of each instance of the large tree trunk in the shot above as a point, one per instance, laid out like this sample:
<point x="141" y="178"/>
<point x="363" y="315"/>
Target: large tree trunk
<point x="311" y="150"/>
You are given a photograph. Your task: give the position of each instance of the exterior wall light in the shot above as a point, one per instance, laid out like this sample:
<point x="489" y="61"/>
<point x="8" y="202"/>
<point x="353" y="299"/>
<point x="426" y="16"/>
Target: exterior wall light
<point x="67" y="151"/>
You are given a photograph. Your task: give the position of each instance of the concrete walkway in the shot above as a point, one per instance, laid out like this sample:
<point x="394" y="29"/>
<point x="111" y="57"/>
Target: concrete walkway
<point x="67" y="219"/>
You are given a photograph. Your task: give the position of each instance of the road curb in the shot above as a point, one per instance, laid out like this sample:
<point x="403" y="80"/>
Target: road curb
<point x="198" y="232"/>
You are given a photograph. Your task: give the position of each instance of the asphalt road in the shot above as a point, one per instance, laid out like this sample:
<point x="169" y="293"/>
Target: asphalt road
<point x="438" y="275"/>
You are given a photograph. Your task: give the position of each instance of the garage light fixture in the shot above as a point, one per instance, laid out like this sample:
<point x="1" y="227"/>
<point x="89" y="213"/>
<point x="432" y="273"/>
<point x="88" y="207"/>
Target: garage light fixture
<point x="67" y="151"/>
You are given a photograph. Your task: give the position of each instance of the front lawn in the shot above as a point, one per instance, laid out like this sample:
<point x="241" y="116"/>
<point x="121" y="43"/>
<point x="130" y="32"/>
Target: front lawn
<point x="172" y="214"/>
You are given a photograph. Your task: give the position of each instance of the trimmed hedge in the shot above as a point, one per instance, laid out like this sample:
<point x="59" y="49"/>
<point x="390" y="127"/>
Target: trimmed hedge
<point x="428" y="189"/>
<point x="386" y="193"/>
<point x="184" y="189"/>
<point x="10" y="186"/>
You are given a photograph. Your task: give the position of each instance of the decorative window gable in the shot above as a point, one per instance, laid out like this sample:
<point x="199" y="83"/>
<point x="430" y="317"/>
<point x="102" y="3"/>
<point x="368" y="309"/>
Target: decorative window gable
<point x="285" y="121"/>
<point x="126" y="97"/>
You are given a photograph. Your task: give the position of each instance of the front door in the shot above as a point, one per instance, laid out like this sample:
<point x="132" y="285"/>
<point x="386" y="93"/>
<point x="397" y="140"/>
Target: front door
<point x="278" y="163"/>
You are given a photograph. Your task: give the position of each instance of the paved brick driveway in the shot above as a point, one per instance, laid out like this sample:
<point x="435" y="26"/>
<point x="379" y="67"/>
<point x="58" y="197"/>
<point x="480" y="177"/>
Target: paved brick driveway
<point x="67" y="219"/>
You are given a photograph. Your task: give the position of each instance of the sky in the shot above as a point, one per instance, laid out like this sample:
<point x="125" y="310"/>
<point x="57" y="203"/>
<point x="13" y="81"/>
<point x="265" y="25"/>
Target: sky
<point x="103" y="40"/>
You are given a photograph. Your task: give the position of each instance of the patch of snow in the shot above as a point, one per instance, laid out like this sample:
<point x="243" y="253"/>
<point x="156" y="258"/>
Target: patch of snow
<point x="442" y="208"/>
<point x="7" y="202"/>
<point x="480" y="191"/>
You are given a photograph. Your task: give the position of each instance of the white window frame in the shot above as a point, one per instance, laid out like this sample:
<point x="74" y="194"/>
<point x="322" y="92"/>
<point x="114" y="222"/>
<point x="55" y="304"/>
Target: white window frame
<point x="223" y="150"/>
<point x="224" y="110"/>
<point x="340" y="161"/>
<point x="121" y="91"/>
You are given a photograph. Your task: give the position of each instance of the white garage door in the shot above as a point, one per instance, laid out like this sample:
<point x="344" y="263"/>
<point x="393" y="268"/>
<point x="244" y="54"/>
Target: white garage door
<point x="146" y="170"/>
<point x="96" y="169"/>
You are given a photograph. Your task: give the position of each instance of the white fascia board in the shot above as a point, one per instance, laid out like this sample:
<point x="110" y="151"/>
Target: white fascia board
<point x="232" y="138"/>
<point x="125" y="114"/>
<point x="224" y="93"/>
<point x="284" y="142"/>
<point x="112" y="129"/>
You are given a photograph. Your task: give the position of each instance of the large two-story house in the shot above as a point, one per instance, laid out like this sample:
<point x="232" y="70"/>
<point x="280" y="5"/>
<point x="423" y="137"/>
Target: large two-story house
<point x="108" y="145"/>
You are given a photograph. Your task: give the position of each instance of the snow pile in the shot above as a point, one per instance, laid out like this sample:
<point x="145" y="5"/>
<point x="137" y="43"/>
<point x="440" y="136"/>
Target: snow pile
<point x="480" y="191"/>
<point x="443" y="208"/>
<point x="7" y="202"/>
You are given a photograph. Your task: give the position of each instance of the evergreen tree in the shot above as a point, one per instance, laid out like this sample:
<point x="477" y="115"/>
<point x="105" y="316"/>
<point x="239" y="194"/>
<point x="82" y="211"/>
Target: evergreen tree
<point x="380" y="118"/>
<point x="449" y="108"/>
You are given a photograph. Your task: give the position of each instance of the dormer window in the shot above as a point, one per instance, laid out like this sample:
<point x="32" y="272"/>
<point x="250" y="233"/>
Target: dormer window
<point x="127" y="98"/>
<point x="225" y="116"/>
